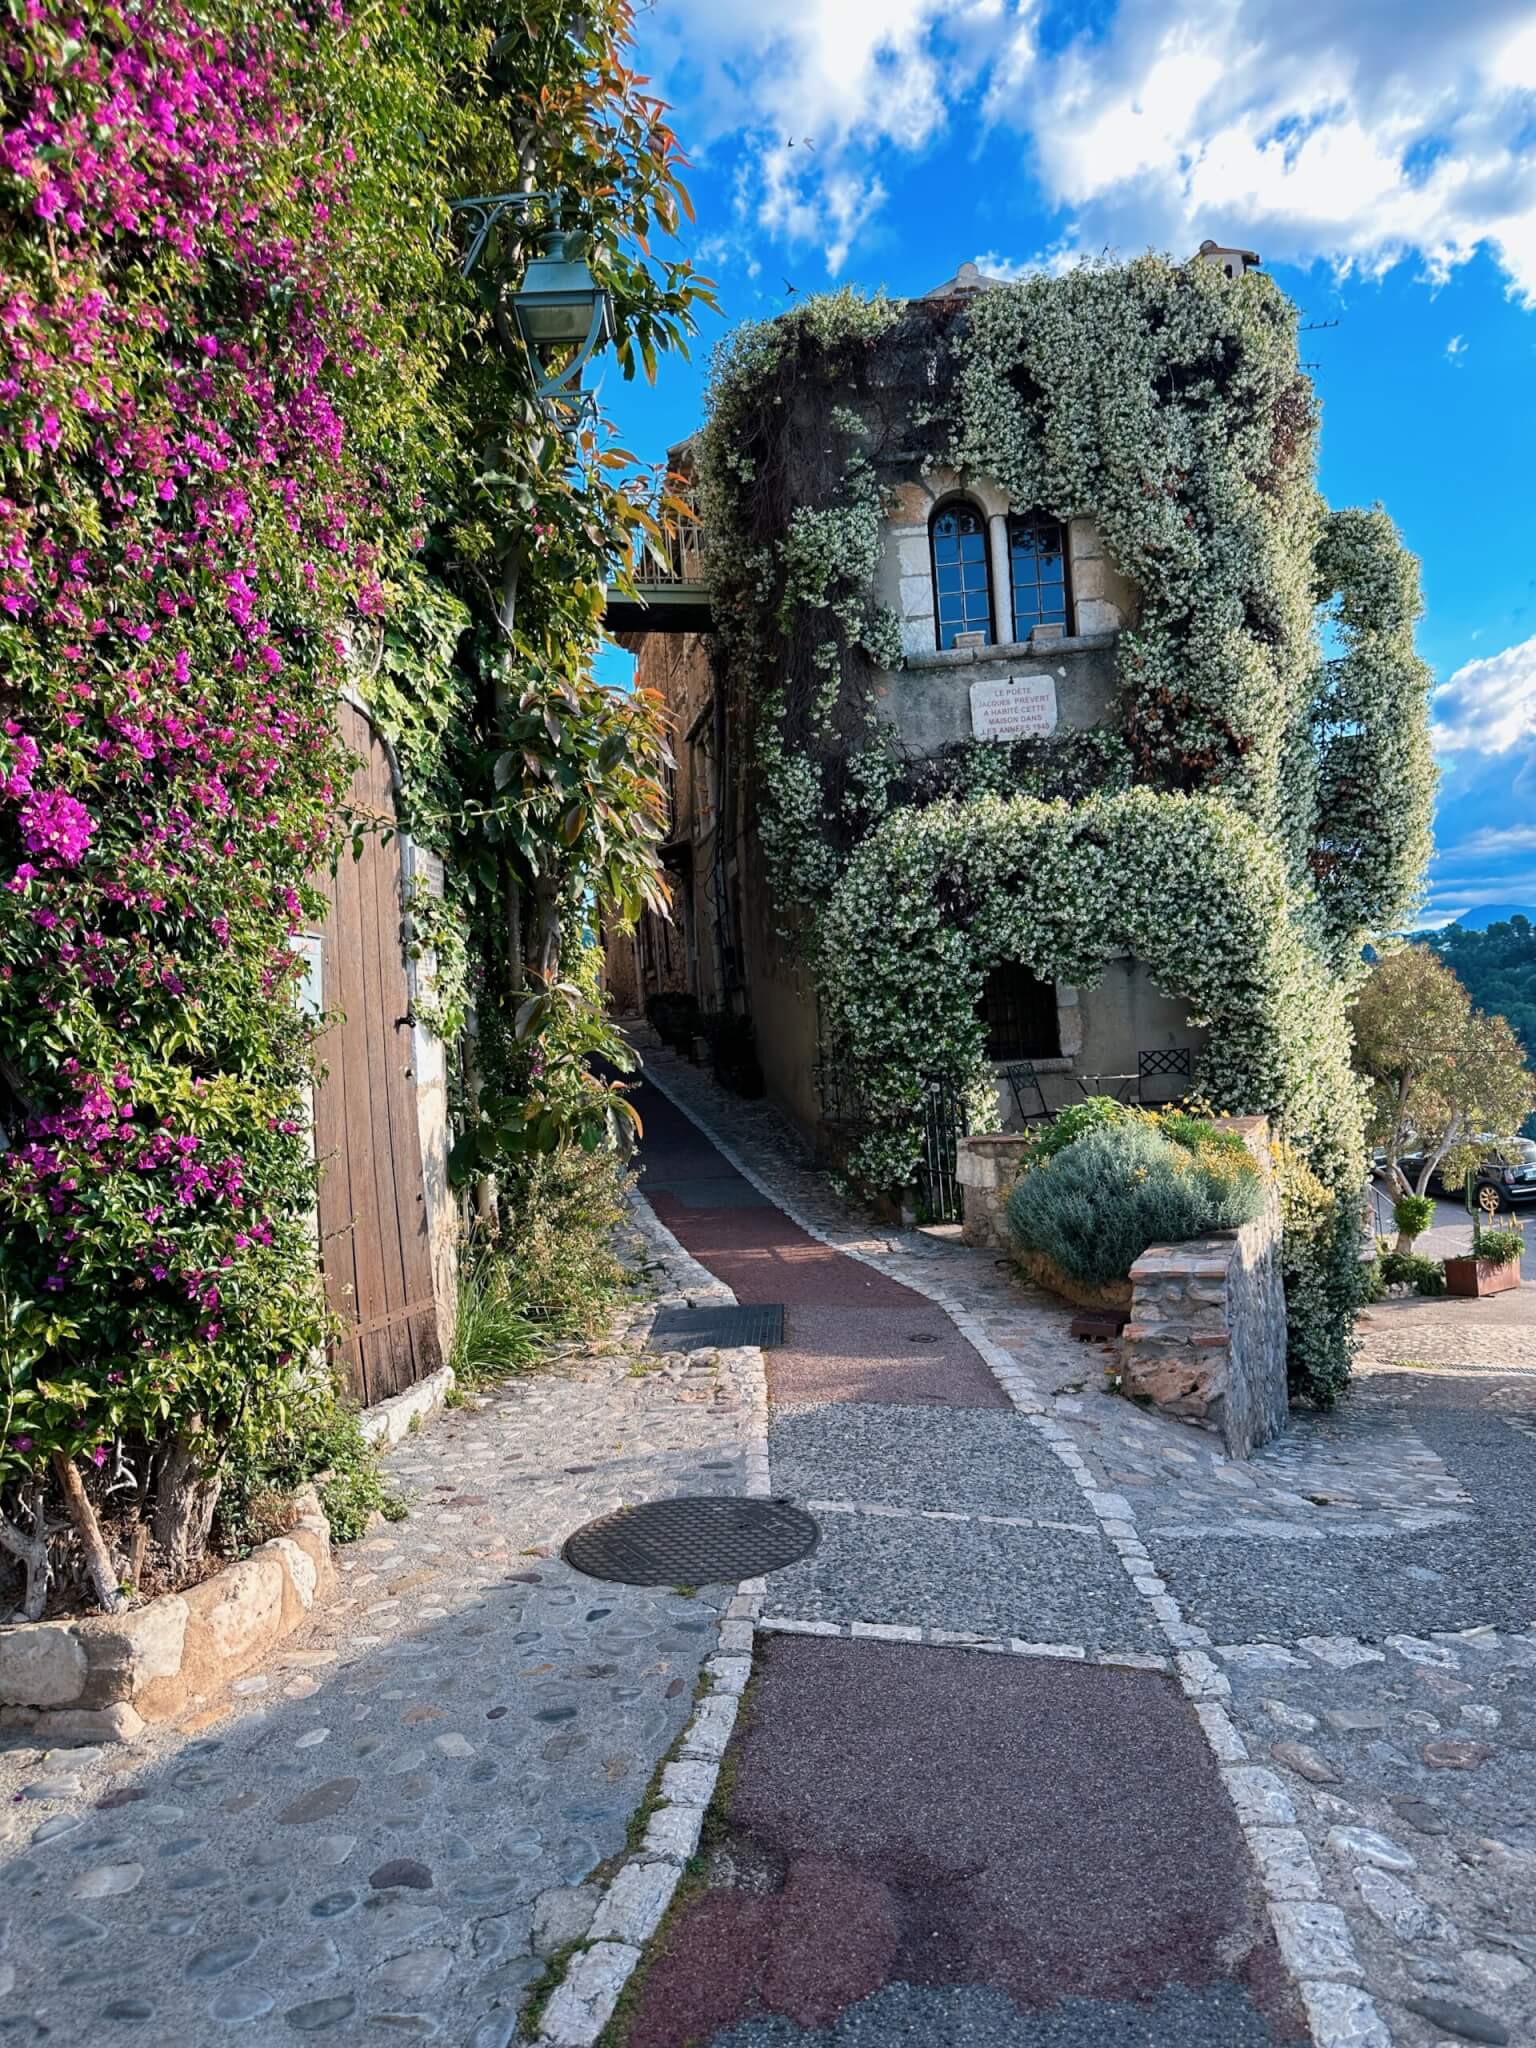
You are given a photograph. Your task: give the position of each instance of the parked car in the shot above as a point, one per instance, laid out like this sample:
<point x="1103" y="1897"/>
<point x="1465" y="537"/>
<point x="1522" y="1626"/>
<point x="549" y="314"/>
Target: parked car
<point x="1511" y="1173"/>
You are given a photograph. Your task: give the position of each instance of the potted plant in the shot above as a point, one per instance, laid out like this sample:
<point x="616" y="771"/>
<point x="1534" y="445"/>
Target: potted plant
<point x="1492" y="1266"/>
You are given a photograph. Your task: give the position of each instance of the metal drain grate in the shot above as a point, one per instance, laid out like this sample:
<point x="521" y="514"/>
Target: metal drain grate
<point x="691" y="1329"/>
<point x="695" y="1540"/>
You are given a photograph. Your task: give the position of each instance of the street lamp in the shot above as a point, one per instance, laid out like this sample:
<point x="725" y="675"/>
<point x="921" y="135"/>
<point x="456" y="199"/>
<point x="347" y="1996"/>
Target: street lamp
<point x="561" y="314"/>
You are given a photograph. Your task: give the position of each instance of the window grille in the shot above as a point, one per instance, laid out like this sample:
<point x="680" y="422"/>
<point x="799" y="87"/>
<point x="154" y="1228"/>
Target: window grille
<point x="1037" y="561"/>
<point x="962" y="582"/>
<point x="1019" y="1011"/>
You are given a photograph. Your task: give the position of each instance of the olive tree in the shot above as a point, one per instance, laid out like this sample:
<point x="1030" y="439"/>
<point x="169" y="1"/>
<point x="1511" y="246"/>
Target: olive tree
<point x="1446" y="1083"/>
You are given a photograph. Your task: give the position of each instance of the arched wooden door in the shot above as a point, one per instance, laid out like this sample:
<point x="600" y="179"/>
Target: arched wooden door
<point x="374" y="1243"/>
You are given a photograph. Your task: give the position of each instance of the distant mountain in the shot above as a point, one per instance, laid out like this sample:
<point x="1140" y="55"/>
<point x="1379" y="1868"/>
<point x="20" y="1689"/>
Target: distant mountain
<point x="1495" y="913"/>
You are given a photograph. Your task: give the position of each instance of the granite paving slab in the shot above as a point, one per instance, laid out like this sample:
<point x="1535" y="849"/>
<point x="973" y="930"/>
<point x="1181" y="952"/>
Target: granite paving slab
<point x="1478" y="1568"/>
<point x="980" y="1578"/>
<point x="970" y="2016"/>
<point x="976" y="1460"/>
<point x="978" y="1839"/>
<point x="908" y="1352"/>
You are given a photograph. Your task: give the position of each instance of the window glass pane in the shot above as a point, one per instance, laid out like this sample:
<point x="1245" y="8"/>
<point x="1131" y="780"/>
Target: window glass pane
<point x="961" y="573"/>
<point x="1037" y="558"/>
<point x="1020" y="1015"/>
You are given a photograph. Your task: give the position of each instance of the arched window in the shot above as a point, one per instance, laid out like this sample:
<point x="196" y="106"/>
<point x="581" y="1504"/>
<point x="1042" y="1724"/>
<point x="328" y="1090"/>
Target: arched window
<point x="1037" y="562"/>
<point x="962" y="583"/>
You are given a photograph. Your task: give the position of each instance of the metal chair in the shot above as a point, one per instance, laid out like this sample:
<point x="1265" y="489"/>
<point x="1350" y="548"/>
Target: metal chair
<point x="1024" y="1081"/>
<point x="1163" y="1063"/>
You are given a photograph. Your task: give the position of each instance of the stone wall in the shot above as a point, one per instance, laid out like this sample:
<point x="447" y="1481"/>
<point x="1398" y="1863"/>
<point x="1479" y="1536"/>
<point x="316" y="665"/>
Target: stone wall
<point x="1206" y="1338"/>
<point x="987" y="1167"/>
<point x="100" y="1677"/>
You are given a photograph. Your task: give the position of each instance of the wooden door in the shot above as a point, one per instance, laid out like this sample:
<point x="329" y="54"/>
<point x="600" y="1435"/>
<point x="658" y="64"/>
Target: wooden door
<point x="374" y="1244"/>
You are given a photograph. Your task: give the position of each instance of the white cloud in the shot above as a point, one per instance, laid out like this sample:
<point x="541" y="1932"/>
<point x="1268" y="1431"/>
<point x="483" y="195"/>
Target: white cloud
<point x="1360" y="136"/>
<point x="814" y="90"/>
<point x="1488" y="839"/>
<point x="1489" y="705"/>
<point x="1456" y="347"/>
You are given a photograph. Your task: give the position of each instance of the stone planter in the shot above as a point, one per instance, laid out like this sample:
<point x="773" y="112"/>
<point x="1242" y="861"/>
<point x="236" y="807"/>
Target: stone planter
<point x="1470" y="1277"/>
<point x="1206" y="1339"/>
<point x="986" y="1166"/>
<point x="101" y="1677"/>
<point x="1046" y="1273"/>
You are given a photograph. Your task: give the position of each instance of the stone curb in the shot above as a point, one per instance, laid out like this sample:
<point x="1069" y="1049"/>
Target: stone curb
<point x="1322" y="1960"/>
<point x="102" y="1677"/>
<point x="387" y="1422"/>
<point x="638" y="1895"/>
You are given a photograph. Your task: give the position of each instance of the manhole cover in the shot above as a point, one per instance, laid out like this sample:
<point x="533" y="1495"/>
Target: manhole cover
<point x="695" y="1540"/>
<point x="721" y="1329"/>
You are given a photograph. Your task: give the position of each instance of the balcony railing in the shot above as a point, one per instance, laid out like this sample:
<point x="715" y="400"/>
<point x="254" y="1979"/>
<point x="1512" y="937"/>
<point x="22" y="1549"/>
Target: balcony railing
<point x="686" y="563"/>
<point x="671" y="590"/>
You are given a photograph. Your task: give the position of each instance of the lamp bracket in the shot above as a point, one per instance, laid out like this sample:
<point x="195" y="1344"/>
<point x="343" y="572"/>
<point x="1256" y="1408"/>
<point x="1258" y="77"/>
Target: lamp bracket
<point x="481" y="215"/>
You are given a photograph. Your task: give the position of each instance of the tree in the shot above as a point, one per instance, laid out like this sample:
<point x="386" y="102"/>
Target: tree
<point x="1497" y="966"/>
<point x="1446" y="1082"/>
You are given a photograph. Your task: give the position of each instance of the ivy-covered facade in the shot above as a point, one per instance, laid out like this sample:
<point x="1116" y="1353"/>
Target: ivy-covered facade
<point x="1056" y="720"/>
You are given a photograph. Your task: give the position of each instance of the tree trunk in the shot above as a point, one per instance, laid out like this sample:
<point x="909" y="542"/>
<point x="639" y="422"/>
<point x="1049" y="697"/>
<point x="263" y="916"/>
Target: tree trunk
<point x="185" y="1499"/>
<point x="99" y="1568"/>
<point x="546" y="910"/>
<point x="32" y="1551"/>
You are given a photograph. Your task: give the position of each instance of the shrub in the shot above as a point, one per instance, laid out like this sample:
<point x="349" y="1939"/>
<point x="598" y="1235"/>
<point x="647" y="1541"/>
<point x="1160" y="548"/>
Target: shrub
<point x="1098" y="1113"/>
<point x="1324" y="1279"/>
<point x="1413" y="1215"/>
<point x="320" y="1437"/>
<point x="1407" y="1269"/>
<point x="1196" y="1133"/>
<point x="494" y="1335"/>
<point x="1096" y="1206"/>
<point x="560" y="1212"/>
<point x="1501" y="1246"/>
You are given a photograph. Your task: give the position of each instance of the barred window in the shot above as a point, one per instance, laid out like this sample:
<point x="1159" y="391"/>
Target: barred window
<point x="1019" y="1011"/>
<point x="962" y="580"/>
<point x="1037" y="561"/>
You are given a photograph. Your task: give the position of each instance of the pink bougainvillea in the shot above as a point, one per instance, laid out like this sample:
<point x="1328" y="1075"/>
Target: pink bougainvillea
<point x="201" y="342"/>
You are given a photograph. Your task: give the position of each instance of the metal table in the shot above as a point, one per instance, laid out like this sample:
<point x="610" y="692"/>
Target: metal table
<point x="1101" y="1084"/>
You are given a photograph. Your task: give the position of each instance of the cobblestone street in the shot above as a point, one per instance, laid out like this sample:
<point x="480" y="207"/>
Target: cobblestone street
<point x="1352" y="1614"/>
<point x="1070" y="1733"/>
<point x="380" y="1835"/>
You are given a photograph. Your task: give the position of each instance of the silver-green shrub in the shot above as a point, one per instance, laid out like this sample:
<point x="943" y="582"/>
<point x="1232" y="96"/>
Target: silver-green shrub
<point x="1097" y="1205"/>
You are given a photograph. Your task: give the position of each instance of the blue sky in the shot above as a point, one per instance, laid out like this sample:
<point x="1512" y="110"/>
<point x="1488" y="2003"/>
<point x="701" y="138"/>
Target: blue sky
<point x="1382" y="159"/>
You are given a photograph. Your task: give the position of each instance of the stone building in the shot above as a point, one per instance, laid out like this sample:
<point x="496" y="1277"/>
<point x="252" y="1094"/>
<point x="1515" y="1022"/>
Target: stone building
<point x="1009" y="626"/>
<point x="888" y="667"/>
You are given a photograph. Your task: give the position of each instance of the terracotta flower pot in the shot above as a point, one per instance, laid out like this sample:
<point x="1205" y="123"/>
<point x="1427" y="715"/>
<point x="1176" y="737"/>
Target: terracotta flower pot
<point x="1470" y="1277"/>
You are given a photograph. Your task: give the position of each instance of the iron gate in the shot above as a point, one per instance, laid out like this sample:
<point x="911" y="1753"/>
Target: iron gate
<point x="938" y="1191"/>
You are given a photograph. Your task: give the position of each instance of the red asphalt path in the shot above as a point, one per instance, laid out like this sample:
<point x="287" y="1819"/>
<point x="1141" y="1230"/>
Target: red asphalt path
<point x="897" y="1815"/>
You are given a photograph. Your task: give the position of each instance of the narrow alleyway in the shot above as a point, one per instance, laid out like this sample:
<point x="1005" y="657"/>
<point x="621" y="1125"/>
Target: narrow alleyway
<point x="1200" y="1700"/>
<point x="923" y="1843"/>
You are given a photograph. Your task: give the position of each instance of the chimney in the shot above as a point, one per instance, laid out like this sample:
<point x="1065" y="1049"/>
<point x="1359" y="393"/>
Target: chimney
<point x="1230" y="262"/>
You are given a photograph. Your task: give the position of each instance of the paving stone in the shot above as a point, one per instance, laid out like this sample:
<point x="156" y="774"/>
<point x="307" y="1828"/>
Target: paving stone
<point x="1464" y="2021"/>
<point x="1296" y="1756"/>
<point x="353" y="1856"/>
<point x="1393" y="1903"/>
<point x="1364" y="1845"/>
